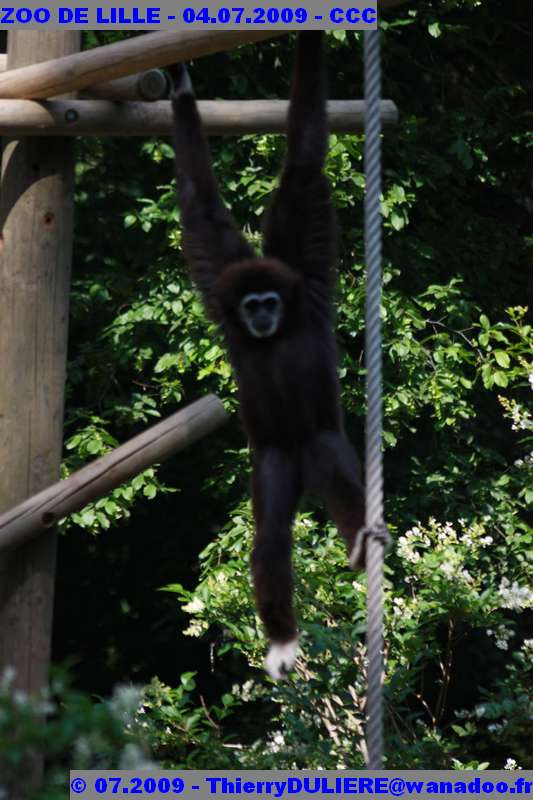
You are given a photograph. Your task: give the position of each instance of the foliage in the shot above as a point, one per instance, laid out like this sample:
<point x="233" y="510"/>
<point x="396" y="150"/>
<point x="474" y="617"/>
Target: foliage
<point x="455" y="591"/>
<point x="70" y="731"/>
<point x="457" y="346"/>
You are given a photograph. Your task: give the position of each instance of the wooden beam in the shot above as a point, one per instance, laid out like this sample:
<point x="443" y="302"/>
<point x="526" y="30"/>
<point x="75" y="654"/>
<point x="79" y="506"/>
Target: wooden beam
<point x="149" y="85"/>
<point x="221" y="117"/>
<point x="36" y="224"/>
<point x="39" y="513"/>
<point x="112" y="61"/>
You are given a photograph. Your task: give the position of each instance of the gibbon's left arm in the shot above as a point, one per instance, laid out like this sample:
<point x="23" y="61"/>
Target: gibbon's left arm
<point x="300" y="226"/>
<point x="211" y="239"/>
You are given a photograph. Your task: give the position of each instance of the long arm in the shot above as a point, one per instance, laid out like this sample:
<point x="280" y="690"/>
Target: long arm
<point x="211" y="239"/>
<point x="300" y="226"/>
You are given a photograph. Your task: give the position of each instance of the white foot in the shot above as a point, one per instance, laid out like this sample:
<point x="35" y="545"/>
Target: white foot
<point x="280" y="659"/>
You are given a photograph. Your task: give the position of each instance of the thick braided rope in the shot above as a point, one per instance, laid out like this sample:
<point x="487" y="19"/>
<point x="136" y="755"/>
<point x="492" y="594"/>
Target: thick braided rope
<point x="376" y="534"/>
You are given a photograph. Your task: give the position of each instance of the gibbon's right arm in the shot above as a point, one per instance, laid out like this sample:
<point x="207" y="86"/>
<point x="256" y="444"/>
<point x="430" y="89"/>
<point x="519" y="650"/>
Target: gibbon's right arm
<point x="211" y="239"/>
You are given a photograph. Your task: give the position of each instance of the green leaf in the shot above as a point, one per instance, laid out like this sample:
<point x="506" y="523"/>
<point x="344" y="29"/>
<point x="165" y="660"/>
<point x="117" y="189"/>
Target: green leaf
<point x="397" y="221"/>
<point x="502" y="358"/>
<point x="501" y="379"/>
<point x="460" y="731"/>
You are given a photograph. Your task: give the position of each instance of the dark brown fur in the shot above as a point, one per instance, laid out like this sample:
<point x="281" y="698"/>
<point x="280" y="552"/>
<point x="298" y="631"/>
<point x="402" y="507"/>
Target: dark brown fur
<point x="288" y="385"/>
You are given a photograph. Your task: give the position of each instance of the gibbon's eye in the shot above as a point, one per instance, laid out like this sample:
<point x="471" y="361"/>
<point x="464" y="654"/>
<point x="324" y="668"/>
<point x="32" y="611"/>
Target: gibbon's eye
<point x="271" y="303"/>
<point x="251" y="304"/>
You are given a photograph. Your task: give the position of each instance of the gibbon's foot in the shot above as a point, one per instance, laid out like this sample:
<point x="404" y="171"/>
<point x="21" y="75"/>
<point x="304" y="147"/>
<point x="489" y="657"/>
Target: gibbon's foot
<point x="181" y="80"/>
<point x="358" y="553"/>
<point x="280" y="659"/>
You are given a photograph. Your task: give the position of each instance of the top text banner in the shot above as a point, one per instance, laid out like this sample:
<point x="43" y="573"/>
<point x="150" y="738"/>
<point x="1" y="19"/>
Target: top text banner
<point x="185" y="14"/>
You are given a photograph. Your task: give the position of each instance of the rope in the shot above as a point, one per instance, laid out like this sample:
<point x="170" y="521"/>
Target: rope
<point x="374" y="535"/>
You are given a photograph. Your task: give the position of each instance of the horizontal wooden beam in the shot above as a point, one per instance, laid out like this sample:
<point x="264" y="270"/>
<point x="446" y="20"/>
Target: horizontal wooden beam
<point x="220" y="117"/>
<point x="111" y="61"/>
<point x="47" y="508"/>
<point x="149" y="85"/>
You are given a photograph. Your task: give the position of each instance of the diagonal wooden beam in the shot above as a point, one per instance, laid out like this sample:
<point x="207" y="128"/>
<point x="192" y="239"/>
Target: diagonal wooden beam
<point x="39" y="513"/>
<point x="112" y="61"/>
<point x="149" y="85"/>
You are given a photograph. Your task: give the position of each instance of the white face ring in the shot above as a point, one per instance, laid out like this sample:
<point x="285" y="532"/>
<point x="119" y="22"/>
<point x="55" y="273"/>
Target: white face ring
<point x="260" y="298"/>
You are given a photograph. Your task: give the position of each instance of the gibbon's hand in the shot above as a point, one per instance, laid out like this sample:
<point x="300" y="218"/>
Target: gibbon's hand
<point x="180" y="79"/>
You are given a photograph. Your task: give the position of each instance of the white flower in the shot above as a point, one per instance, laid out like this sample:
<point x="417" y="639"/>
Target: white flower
<point x="195" y="606"/>
<point x="247" y="691"/>
<point x="405" y="548"/>
<point x="486" y="540"/>
<point x="20" y="698"/>
<point x="495" y="727"/>
<point x="276" y="743"/>
<point x="448" y="568"/>
<point x="196" y="628"/>
<point x="132" y="757"/>
<point x="521" y="418"/>
<point x="530" y="379"/>
<point x="511" y="764"/>
<point x="464" y="576"/>
<point x="515" y="597"/>
<point x="448" y="529"/>
<point x="7" y="678"/>
<point x="527" y="647"/>
<point x="82" y="750"/>
<point x="502" y="636"/>
<point x="46" y="708"/>
<point x="125" y="701"/>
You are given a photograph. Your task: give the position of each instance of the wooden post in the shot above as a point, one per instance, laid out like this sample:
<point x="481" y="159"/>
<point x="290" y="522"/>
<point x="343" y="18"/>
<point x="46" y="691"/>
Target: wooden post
<point x="36" y="210"/>
<point x="220" y="117"/>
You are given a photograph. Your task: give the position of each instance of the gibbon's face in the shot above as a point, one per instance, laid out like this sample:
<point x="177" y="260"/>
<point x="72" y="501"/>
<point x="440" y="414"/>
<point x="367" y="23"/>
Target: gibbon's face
<point x="258" y="297"/>
<point x="261" y="313"/>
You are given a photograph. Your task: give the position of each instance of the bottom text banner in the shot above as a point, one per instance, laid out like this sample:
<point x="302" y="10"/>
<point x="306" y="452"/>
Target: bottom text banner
<point x="297" y="785"/>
